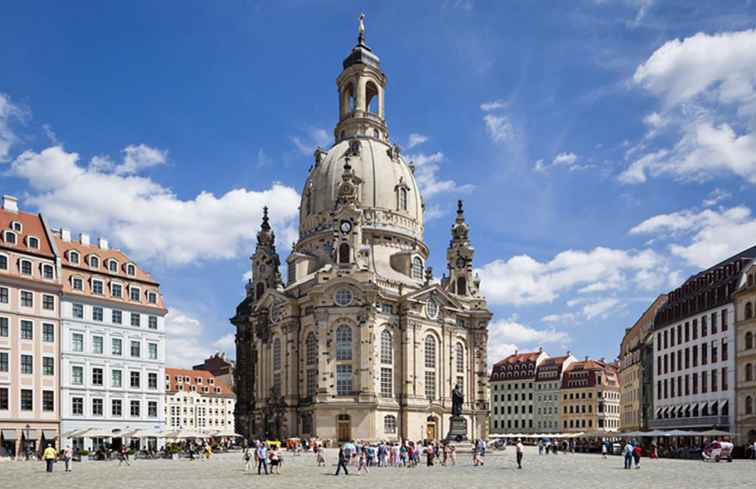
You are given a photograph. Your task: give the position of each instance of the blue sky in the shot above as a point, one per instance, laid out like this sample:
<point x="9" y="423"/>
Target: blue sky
<point x="605" y="149"/>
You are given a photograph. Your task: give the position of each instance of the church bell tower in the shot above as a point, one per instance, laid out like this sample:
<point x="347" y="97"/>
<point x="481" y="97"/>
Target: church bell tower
<point x="459" y="259"/>
<point x="265" y="262"/>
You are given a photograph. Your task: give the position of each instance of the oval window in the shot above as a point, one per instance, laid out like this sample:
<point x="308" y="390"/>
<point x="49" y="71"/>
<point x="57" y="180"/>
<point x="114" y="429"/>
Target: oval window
<point x="343" y="297"/>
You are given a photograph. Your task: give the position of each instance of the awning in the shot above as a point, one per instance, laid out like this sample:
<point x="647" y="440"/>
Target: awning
<point x="714" y="408"/>
<point x="49" y="434"/>
<point x="9" y="434"/>
<point x="30" y="434"/>
<point x="680" y="411"/>
<point x="723" y="407"/>
<point x="658" y="413"/>
<point x="665" y="411"/>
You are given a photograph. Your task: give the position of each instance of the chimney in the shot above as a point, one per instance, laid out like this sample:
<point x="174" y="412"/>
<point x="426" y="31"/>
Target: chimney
<point x="586" y="358"/>
<point x="84" y="238"/>
<point x="10" y="203"/>
<point x="102" y="243"/>
<point x="540" y="349"/>
<point x="516" y="352"/>
<point x="65" y="234"/>
<point x="569" y="353"/>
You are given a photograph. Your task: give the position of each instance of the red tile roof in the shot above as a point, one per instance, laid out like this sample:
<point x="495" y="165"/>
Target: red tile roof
<point x="31" y="225"/>
<point x="200" y="379"/>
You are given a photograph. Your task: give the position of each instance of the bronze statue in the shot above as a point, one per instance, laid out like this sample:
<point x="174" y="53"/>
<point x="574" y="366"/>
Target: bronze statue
<point x="458" y="398"/>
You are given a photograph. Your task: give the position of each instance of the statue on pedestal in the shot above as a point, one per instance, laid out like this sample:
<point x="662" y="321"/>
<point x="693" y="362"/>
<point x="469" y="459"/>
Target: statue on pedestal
<point x="458" y="398"/>
<point x="457" y="423"/>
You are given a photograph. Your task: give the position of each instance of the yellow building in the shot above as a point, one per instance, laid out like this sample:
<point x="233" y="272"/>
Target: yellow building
<point x="636" y="370"/>
<point x="590" y="397"/>
<point x="745" y="359"/>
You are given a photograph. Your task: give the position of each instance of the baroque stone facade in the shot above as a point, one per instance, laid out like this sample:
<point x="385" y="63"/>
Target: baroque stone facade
<point x="360" y="343"/>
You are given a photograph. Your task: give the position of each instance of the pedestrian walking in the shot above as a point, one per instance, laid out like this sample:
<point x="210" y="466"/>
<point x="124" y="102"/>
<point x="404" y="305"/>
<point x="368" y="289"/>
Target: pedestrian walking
<point x="123" y="456"/>
<point x="262" y="458"/>
<point x="49" y="455"/>
<point x="628" y="453"/>
<point x="362" y="463"/>
<point x="519" y="449"/>
<point x="320" y="456"/>
<point x="247" y="460"/>
<point x="342" y="462"/>
<point x="275" y="461"/>
<point x="453" y="455"/>
<point x="67" y="457"/>
<point x="603" y="449"/>
<point x="637" y="455"/>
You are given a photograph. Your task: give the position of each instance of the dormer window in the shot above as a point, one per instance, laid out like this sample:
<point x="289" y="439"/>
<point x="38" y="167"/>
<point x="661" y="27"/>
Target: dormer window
<point x="9" y="237"/>
<point x="417" y="268"/>
<point x="48" y="272"/>
<point x="131" y="269"/>
<point x="112" y="266"/>
<point x="77" y="283"/>
<point x="134" y="294"/>
<point x="152" y="297"/>
<point x="73" y="257"/>
<point x="32" y="242"/>
<point x="115" y="290"/>
<point x="17" y="226"/>
<point x="94" y="262"/>
<point x="97" y="287"/>
<point x="26" y="267"/>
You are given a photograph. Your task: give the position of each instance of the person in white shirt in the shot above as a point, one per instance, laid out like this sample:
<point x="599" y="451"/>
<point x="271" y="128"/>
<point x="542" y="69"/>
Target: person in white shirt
<point x="519" y="449"/>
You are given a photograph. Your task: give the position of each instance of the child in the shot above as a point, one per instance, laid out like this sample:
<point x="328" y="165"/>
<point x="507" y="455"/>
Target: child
<point x="362" y="463"/>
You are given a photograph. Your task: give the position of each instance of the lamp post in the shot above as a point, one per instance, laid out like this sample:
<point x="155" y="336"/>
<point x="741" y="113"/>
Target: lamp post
<point x="26" y="443"/>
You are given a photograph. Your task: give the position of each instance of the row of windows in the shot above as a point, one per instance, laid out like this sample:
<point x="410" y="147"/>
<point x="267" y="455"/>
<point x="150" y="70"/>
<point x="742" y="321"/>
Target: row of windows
<point x="684" y="333"/>
<point x="116" y="378"/>
<point x="666" y="363"/>
<point x="97" y="287"/>
<point x="525" y="396"/>
<point x="27" y="364"/>
<point x="116" y="407"/>
<point x="26" y="330"/>
<point x="513" y="386"/>
<point x="116" y="346"/>
<point x="26" y="267"/>
<point x="116" y="316"/>
<point x="94" y="262"/>
<point x="26" y="299"/>
<point x="689" y="384"/>
<point x="26" y="400"/>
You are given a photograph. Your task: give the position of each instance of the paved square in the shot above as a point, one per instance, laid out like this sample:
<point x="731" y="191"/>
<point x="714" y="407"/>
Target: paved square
<point x="226" y="471"/>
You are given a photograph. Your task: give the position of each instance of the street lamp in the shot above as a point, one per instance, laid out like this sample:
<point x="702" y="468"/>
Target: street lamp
<point x="26" y="442"/>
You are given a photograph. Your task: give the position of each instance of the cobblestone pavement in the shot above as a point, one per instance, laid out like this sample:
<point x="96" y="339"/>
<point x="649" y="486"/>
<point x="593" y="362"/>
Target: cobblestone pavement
<point x="226" y="471"/>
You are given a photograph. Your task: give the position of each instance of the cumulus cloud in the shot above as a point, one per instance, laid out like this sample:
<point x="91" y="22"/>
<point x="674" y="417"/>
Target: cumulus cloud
<point x="565" y="318"/>
<point x="427" y="167"/>
<point x="505" y="335"/>
<point x="9" y="113"/>
<point x="525" y="280"/>
<point x="142" y="215"/>
<point x="600" y="308"/>
<point x="416" y="139"/>
<point x="705" y="85"/>
<point x="184" y="345"/>
<point x="314" y="137"/>
<point x="494" y="105"/>
<point x="702" y="238"/>
<point x="498" y="127"/>
<point x="564" y="159"/>
<point x="226" y="343"/>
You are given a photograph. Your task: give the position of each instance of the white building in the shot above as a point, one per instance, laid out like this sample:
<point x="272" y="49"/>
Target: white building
<point x="513" y="387"/>
<point x="113" y="344"/>
<point x="197" y="400"/>
<point x="694" y="350"/>
<point x="548" y="384"/>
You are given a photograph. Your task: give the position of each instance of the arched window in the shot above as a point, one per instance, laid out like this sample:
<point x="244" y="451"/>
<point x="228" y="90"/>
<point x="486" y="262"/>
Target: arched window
<point x="308" y="202"/>
<point x="748" y="340"/>
<point x="347" y="100"/>
<point x="344" y="343"/>
<point x="748" y="310"/>
<point x="311" y="344"/>
<point x="749" y="405"/>
<point x="748" y="372"/>
<point x="430" y="352"/>
<point x="389" y="424"/>
<point x="343" y="253"/>
<point x="387" y="351"/>
<point x="259" y="290"/>
<point x="461" y="286"/>
<point x="371" y="97"/>
<point x="403" y="199"/>
<point x="94" y="262"/>
<point x="277" y="354"/>
<point x="417" y="268"/>
<point x="459" y="353"/>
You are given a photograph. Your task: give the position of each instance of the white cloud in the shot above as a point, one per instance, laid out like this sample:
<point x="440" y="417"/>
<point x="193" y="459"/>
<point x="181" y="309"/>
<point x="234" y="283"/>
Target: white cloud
<point x="599" y="308"/>
<point x="315" y="137"/>
<point x="138" y="157"/>
<point x="564" y="159"/>
<point x="539" y="167"/>
<point x="504" y="336"/>
<point x="703" y="238"/>
<point x="263" y="159"/>
<point x="8" y="113"/>
<point x="494" y="105"/>
<point x="145" y="217"/>
<point x="565" y="318"/>
<point x="524" y="280"/>
<point x="415" y="139"/>
<point x="427" y="167"/>
<point x="715" y="197"/>
<point x="499" y="128"/>
<point x="706" y="86"/>
<point x="247" y="276"/>
<point x="226" y="343"/>
<point x="183" y="347"/>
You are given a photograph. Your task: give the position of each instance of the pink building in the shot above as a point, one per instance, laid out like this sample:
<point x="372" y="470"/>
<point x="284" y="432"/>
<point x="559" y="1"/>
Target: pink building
<point x="30" y="291"/>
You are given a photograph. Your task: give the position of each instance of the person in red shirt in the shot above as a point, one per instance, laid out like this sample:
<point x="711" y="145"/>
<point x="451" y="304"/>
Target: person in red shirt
<point x="637" y="455"/>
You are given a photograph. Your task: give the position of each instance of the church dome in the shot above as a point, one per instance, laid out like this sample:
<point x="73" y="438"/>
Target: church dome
<point x="387" y="190"/>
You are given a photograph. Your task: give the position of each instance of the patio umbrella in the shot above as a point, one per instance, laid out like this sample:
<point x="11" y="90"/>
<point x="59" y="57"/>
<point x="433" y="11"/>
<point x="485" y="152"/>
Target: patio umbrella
<point x="715" y="433"/>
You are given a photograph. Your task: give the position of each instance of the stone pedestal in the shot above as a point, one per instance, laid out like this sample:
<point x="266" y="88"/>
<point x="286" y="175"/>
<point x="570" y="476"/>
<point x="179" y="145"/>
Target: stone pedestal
<point x="457" y="430"/>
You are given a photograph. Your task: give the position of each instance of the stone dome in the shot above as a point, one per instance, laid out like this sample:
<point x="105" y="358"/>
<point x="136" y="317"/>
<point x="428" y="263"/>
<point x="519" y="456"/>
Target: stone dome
<point x="384" y="180"/>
